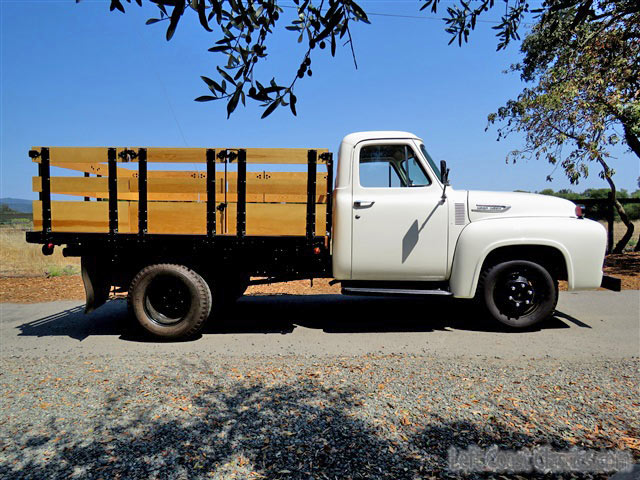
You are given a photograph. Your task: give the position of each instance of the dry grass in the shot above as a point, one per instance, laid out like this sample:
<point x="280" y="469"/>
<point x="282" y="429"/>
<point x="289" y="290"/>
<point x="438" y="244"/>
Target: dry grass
<point x="21" y="259"/>
<point x="619" y="230"/>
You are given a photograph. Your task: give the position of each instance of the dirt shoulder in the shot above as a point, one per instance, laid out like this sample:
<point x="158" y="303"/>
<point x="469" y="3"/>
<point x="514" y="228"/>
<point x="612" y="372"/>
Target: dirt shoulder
<point x="69" y="287"/>
<point x="42" y="289"/>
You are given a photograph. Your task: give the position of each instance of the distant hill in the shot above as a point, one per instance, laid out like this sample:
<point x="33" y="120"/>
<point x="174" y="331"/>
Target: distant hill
<point x="18" y="204"/>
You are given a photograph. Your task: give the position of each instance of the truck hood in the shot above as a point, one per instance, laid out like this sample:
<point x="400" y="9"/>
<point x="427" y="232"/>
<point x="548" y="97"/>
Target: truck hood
<point x="485" y="205"/>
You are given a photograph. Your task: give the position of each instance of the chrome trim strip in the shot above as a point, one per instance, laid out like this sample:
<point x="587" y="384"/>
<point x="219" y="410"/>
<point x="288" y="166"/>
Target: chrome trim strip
<point x="491" y="208"/>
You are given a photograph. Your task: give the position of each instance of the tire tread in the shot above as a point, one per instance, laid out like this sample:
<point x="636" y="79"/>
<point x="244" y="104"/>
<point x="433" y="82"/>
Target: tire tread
<point x="204" y="292"/>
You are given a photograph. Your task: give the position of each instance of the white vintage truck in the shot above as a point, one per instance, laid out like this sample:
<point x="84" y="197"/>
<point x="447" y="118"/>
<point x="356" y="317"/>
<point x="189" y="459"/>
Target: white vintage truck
<point x="181" y="241"/>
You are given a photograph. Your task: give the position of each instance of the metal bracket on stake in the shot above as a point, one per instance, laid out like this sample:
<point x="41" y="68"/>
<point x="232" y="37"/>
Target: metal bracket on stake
<point x="44" y="171"/>
<point x="113" y="190"/>
<point x="242" y="193"/>
<point x="142" y="192"/>
<point x="312" y="161"/>
<point x="211" y="193"/>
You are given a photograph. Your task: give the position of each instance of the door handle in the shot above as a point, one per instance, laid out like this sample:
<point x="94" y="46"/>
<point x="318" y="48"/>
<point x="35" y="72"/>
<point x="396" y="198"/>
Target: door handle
<point x="363" y="203"/>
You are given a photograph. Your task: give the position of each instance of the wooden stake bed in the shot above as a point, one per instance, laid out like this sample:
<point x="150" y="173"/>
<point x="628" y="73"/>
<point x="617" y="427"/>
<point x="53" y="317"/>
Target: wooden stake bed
<point x="119" y="194"/>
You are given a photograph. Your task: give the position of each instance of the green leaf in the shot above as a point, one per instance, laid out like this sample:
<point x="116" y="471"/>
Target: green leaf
<point x="213" y="85"/>
<point x="269" y="110"/>
<point x="178" y="10"/>
<point x="233" y="103"/>
<point x="226" y="76"/>
<point x="292" y="103"/>
<point x="115" y="4"/>
<point x="360" y="13"/>
<point x="205" y="98"/>
<point x="152" y="21"/>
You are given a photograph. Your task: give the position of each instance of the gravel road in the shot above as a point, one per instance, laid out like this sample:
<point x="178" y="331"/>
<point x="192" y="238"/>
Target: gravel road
<point x="324" y="387"/>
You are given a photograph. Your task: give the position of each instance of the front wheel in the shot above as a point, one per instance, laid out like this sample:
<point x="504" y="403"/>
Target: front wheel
<point x="170" y="301"/>
<point x="518" y="293"/>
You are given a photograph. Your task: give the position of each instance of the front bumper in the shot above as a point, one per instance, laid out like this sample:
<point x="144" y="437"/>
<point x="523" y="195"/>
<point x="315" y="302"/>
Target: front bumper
<point x="611" y="283"/>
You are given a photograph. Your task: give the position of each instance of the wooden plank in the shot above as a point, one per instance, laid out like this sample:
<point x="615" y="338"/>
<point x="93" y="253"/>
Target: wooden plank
<point x="291" y="183"/>
<point x="181" y="189"/>
<point x="177" y="174"/>
<point x="172" y="185"/>
<point x="276" y="219"/>
<point x="94" y="168"/>
<point x="279" y="184"/>
<point x="85" y="217"/>
<point x="176" y="155"/>
<point x="101" y="169"/>
<point x="280" y="155"/>
<point x="288" y="198"/>
<point x="64" y="155"/>
<point x="177" y="217"/>
<point x="80" y="185"/>
<point x="254" y="155"/>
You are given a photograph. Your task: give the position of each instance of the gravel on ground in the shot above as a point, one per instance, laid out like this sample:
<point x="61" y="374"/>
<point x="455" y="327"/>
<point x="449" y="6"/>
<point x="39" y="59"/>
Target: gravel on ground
<point x="388" y="417"/>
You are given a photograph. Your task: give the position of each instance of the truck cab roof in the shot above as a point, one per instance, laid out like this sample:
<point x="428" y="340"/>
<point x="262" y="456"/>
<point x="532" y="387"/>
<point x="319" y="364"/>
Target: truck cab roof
<point x="357" y="137"/>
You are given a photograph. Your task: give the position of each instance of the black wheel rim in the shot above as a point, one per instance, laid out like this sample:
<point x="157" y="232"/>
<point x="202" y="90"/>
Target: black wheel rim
<point x="167" y="300"/>
<point x="518" y="292"/>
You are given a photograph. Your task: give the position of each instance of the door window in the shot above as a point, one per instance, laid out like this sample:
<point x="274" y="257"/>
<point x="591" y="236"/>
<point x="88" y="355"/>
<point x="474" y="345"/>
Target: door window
<point x="390" y="166"/>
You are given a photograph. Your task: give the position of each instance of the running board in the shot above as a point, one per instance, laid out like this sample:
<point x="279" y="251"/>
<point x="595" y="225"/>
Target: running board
<point x="391" y="291"/>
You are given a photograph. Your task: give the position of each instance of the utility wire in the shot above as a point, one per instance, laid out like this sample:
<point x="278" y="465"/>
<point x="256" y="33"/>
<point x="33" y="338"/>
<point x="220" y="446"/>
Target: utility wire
<point x="417" y="17"/>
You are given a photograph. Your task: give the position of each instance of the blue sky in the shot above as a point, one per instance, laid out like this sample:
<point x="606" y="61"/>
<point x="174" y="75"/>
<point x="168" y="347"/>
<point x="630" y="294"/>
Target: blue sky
<point x="78" y="75"/>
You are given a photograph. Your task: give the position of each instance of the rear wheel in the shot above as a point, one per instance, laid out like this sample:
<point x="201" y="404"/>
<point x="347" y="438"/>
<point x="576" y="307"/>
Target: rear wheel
<point x="518" y="293"/>
<point x="170" y="301"/>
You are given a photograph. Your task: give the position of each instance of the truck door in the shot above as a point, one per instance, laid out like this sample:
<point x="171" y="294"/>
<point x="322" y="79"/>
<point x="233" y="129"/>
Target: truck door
<point x="399" y="218"/>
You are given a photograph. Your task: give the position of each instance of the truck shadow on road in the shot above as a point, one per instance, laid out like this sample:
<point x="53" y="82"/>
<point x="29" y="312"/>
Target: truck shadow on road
<point x="281" y="314"/>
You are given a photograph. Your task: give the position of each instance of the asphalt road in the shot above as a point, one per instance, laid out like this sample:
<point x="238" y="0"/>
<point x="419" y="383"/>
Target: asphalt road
<point x="599" y="324"/>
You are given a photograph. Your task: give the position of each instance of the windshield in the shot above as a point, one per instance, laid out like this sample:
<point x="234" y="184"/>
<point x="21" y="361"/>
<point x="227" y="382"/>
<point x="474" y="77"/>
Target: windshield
<point x="432" y="164"/>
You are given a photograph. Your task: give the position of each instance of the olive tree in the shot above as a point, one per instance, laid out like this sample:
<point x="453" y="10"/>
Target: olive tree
<point x="241" y="30"/>
<point x="585" y="94"/>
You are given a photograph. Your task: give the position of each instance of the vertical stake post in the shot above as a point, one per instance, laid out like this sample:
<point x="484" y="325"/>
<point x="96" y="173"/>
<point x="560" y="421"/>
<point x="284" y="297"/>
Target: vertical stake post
<point x="142" y="192"/>
<point x="87" y="175"/>
<point x="44" y="171"/>
<point x="211" y="193"/>
<point x="242" y="193"/>
<point x="312" y="162"/>
<point x="329" y="192"/>
<point x="113" y="190"/>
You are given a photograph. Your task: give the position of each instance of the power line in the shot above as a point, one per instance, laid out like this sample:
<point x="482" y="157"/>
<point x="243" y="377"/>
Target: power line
<point x="416" y="17"/>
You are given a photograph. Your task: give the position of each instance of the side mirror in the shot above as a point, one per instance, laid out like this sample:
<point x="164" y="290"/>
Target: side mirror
<point x="444" y="176"/>
<point x="444" y="172"/>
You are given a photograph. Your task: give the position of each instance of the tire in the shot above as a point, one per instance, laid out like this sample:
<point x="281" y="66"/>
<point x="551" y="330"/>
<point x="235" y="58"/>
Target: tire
<point x="170" y="301"/>
<point x="518" y="293"/>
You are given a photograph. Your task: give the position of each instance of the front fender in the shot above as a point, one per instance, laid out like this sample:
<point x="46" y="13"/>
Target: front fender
<point x="581" y="242"/>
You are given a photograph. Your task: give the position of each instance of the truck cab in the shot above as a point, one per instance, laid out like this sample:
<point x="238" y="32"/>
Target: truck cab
<point x="400" y="228"/>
